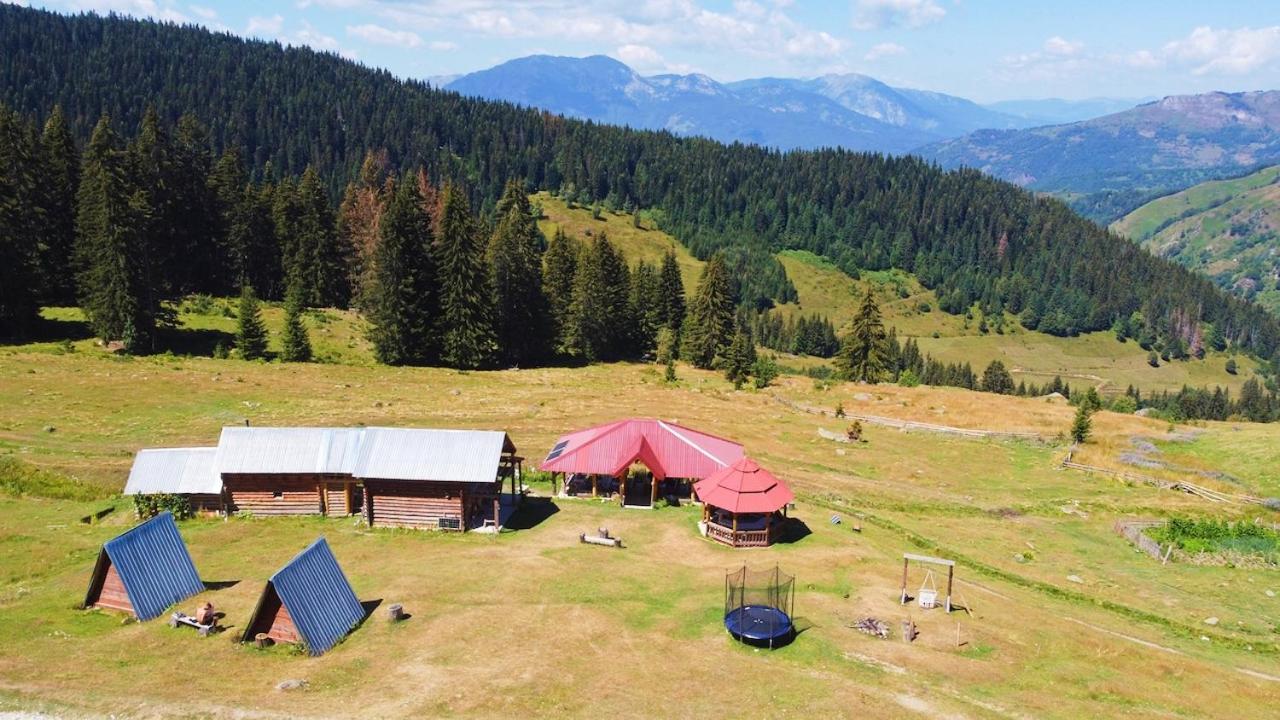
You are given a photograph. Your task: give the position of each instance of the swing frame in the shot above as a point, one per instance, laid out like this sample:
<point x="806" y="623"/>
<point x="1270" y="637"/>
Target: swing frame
<point x="906" y="565"/>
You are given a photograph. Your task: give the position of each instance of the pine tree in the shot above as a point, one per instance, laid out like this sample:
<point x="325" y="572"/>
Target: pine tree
<point x="709" y="328"/>
<point x="251" y="332"/>
<point x="560" y="264"/>
<point x="739" y="358"/>
<point x="111" y="252"/>
<point x="402" y="299"/>
<point x="996" y="379"/>
<point x="466" y="301"/>
<point x="585" y="318"/>
<point x="357" y="223"/>
<point x="515" y="265"/>
<point x="295" y="343"/>
<point x="18" y="224"/>
<point x="672" y="286"/>
<point x="863" y="355"/>
<point x="321" y="258"/>
<point x="646" y="308"/>
<point x="60" y="170"/>
<point x="1082" y="425"/>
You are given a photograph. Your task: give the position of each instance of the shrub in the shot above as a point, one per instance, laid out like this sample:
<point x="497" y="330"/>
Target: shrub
<point x="152" y="504"/>
<point x="908" y="378"/>
<point x="1231" y="366"/>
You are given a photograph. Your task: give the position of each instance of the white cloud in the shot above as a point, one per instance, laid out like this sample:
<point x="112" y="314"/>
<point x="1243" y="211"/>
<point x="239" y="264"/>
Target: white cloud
<point x="383" y="36"/>
<point x="641" y="57"/>
<point x="1058" y="46"/>
<point x="882" y="50"/>
<point x="204" y="12"/>
<point x="1225" y="52"/>
<point x="442" y="45"/>
<point x="873" y="14"/>
<point x="265" y="26"/>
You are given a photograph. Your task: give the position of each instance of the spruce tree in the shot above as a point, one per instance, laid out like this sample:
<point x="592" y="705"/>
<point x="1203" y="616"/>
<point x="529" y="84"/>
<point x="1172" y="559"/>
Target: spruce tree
<point x="18" y="224"/>
<point x="251" y="332"/>
<point x="863" y="355"/>
<point x="1082" y="425"/>
<point x="560" y="265"/>
<point x="672" y="288"/>
<point x="709" y="327"/>
<point x="646" y="308"/>
<point x="996" y="379"/>
<point x="357" y="223"/>
<point x="321" y="257"/>
<point x="515" y="264"/>
<point x="286" y="219"/>
<point x="60" y="171"/>
<point x="586" y="317"/>
<point x="739" y="358"/>
<point x="466" y="302"/>
<point x="111" y="252"/>
<point x="402" y="299"/>
<point x="295" y="343"/>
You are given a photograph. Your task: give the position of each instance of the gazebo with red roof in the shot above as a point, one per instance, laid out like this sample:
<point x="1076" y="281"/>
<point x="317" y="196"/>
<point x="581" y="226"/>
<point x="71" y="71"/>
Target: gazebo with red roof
<point x="668" y="450"/>
<point x="743" y="505"/>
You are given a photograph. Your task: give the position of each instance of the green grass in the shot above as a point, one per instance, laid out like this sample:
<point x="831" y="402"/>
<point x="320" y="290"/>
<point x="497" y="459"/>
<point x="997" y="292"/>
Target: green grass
<point x="532" y="622"/>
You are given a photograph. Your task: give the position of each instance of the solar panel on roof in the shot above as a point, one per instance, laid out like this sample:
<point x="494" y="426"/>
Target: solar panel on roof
<point x="555" y="451"/>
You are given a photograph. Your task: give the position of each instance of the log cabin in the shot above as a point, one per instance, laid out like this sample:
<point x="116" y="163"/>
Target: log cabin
<point x="189" y="472"/>
<point x="290" y="471"/>
<point x="437" y="479"/>
<point x="308" y="601"/>
<point x="144" y="570"/>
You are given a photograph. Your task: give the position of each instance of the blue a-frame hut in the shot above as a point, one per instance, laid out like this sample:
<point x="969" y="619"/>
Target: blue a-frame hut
<point x="307" y="601"/>
<point x="144" y="570"/>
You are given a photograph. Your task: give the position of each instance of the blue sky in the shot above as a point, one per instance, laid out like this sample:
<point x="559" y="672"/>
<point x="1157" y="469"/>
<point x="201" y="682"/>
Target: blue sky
<point x="981" y="49"/>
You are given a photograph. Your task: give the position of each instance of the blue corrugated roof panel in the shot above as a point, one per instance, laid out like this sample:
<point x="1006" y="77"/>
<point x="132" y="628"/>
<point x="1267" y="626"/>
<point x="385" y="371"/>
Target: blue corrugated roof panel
<point x="318" y="597"/>
<point x="154" y="566"/>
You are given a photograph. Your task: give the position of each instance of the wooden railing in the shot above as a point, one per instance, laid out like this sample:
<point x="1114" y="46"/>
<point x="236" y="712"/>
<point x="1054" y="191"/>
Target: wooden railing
<point x="739" y="538"/>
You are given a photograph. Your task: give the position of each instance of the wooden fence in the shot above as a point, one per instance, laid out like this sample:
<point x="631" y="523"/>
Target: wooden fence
<point x="912" y="425"/>
<point x="1188" y="487"/>
<point x="1135" y="532"/>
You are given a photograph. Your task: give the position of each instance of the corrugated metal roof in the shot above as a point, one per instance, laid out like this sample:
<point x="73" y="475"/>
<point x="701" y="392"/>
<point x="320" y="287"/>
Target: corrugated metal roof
<point x="181" y="471"/>
<point x="154" y="566"/>
<point x="287" y="450"/>
<point x="669" y="450"/>
<point x="469" y="456"/>
<point x="318" y="597"/>
<point x="744" y="487"/>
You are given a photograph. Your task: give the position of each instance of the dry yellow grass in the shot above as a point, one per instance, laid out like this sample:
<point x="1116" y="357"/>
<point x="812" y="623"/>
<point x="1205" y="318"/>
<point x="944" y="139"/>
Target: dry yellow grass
<point x="531" y="623"/>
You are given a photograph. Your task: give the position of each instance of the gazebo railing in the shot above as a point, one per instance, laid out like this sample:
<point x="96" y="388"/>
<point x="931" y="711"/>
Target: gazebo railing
<point x="741" y="538"/>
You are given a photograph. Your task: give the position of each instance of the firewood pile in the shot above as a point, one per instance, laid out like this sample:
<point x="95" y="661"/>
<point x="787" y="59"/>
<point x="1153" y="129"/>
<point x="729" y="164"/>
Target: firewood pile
<point x="872" y="626"/>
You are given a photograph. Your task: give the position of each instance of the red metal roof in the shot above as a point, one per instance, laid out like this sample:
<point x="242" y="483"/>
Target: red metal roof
<point x="667" y="449"/>
<point x="744" y="487"/>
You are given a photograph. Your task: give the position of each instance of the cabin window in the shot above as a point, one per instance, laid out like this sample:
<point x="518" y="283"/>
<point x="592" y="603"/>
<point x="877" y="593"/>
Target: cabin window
<point x="450" y="523"/>
<point x="277" y="493"/>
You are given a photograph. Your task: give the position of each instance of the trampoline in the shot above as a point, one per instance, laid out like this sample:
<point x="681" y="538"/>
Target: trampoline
<point x="757" y="607"/>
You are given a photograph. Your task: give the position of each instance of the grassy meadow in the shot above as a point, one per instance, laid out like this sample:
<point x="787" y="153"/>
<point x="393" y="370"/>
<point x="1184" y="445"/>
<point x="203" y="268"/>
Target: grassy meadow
<point x="531" y="622"/>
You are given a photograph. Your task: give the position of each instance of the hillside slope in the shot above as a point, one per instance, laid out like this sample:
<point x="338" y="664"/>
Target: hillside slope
<point x="967" y="237"/>
<point x="1160" y="146"/>
<point x="1227" y="229"/>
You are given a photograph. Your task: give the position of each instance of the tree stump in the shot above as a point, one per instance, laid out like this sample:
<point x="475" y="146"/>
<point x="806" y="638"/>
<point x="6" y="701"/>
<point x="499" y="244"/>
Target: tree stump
<point x="395" y="613"/>
<point x="261" y="640"/>
<point x="909" y="630"/>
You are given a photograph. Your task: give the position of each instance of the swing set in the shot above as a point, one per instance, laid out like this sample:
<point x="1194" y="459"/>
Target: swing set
<point x="927" y="596"/>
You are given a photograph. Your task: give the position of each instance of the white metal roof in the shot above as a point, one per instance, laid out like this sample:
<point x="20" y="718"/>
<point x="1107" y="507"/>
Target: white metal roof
<point x="469" y="456"/>
<point x="288" y="450"/>
<point x="179" y="471"/>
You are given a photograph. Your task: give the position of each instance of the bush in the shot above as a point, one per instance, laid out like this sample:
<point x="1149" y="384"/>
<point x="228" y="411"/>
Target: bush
<point x="1231" y="366"/>
<point x="1124" y="404"/>
<point x="1152" y="359"/>
<point x="764" y="371"/>
<point x="908" y="378"/>
<point x="152" y="504"/>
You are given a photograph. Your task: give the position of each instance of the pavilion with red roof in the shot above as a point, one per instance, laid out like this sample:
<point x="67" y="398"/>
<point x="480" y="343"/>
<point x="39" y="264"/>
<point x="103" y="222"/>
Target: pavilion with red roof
<point x="602" y="455"/>
<point x="743" y="505"/>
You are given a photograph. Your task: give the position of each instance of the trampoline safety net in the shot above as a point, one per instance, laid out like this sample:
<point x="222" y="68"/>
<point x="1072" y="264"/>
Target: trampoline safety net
<point x="758" y="605"/>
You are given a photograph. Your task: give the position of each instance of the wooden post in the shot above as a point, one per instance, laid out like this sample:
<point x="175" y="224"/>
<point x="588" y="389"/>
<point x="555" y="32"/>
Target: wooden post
<point x="622" y="489"/>
<point x="497" y="512"/>
<point x="706" y="513"/>
<point x="653" y="490"/>
<point x="594" y="482"/>
<point x="902" y="598"/>
<point x="951" y="571"/>
<point x="323" y="492"/>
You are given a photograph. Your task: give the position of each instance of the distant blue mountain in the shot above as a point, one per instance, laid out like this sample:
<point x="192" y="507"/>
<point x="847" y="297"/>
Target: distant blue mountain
<point x="850" y="111"/>
<point x="1055" y="111"/>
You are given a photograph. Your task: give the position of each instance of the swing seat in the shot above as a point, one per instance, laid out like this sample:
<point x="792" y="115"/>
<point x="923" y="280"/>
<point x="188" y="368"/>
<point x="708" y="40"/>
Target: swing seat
<point x="928" y="599"/>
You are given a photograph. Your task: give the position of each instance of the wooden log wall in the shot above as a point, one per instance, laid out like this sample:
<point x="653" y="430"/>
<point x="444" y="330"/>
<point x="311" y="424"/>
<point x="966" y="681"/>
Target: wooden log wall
<point x="113" y="595"/>
<point x="394" y="503"/>
<point x="274" y="620"/>
<point x="266" y="494"/>
<point x="341" y="499"/>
